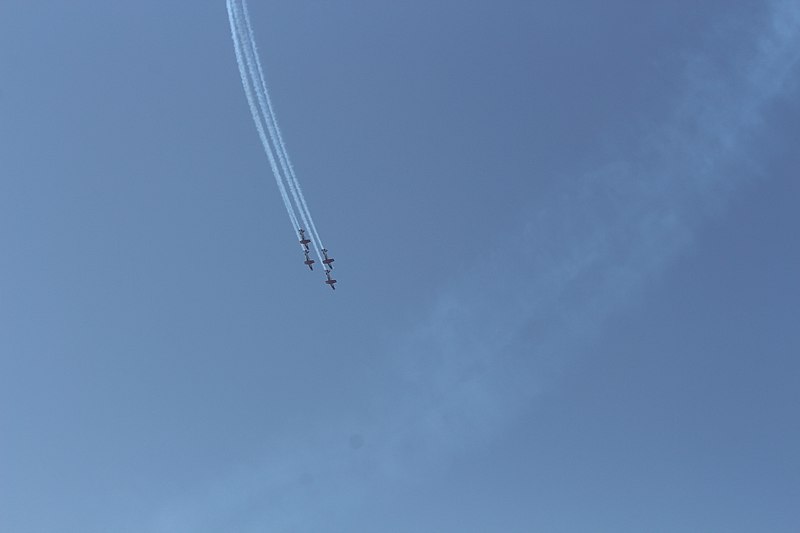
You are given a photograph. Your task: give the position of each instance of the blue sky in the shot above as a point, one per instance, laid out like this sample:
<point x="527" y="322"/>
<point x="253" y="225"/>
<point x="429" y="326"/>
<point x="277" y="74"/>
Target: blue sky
<point x="566" y="239"/>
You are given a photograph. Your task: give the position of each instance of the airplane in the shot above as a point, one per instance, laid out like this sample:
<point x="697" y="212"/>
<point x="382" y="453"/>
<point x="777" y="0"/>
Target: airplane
<point x="303" y="239"/>
<point x="328" y="260"/>
<point x="308" y="260"/>
<point x="330" y="281"/>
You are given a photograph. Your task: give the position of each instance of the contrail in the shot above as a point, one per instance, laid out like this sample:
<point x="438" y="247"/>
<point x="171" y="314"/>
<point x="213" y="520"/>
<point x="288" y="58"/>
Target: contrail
<point x="275" y="133"/>
<point x="257" y="120"/>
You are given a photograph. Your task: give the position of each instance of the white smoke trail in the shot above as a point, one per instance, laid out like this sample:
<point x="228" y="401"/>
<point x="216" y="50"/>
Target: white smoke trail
<point x="275" y="132"/>
<point x="254" y="67"/>
<point x="256" y="118"/>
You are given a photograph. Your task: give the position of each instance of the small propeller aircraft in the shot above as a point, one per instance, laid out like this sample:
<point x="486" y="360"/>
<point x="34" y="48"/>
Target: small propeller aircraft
<point x="330" y="281"/>
<point x="328" y="261"/>
<point x="308" y="261"/>
<point x="303" y="240"/>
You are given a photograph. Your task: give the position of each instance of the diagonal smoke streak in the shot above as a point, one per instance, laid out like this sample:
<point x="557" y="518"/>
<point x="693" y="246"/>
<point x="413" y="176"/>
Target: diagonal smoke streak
<point x="256" y="76"/>
<point x="596" y="244"/>
<point x="251" y="61"/>
<point x="275" y="131"/>
<point x="257" y="119"/>
<point x="465" y="371"/>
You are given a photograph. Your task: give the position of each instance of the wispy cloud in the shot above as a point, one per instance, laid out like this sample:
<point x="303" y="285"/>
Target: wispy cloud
<point x="486" y="347"/>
